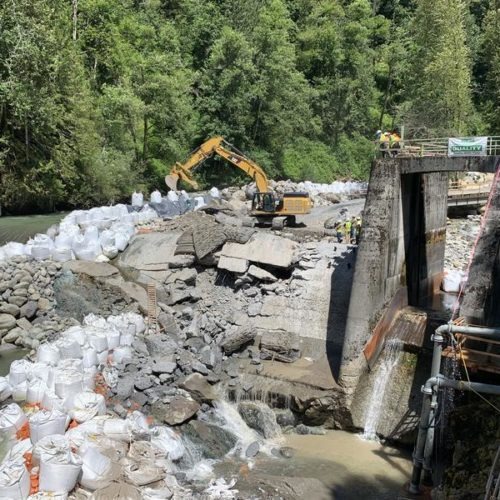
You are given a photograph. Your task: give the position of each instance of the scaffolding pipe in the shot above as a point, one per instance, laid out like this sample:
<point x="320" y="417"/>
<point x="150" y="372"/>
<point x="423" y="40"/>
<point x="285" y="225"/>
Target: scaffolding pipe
<point x="425" y="439"/>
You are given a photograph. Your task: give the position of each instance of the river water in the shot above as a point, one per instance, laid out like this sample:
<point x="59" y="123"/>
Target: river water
<point x="21" y="227"/>
<point x="338" y="465"/>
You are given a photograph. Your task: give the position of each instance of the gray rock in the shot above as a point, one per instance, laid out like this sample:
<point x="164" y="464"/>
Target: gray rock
<point x="252" y="450"/>
<point x="29" y="309"/>
<point x="24" y="324"/>
<point x="199" y="388"/>
<point x="211" y="440"/>
<point x="210" y="356"/>
<point x="254" y="308"/>
<point x="187" y="275"/>
<point x="280" y="346"/>
<point x="285" y="418"/>
<point x="140" y="347"/>
<point x="180" y="410"/>
<point x="125" y="387"/>
<point x="178" y="296"/>
<point x="167" y="323"/>
<point x="200" y="368"/>
<point x="20" y="292"/>
<point x="305" y="429"/>
<point x="44" y="304"/>
<point x="261" y="274"/>
<point x="13" y="336"/>
<point x="17" y="300"/>
<point x="11" y="309"/>
<point x="163" y="366"/>
<point x="234" y="340"/>
<point x="7" y="321"/>
<point x="260" y="417"/>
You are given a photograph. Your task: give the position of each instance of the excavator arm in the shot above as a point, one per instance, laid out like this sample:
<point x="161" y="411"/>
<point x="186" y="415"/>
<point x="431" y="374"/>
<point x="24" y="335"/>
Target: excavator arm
<point x="216" y="145"/>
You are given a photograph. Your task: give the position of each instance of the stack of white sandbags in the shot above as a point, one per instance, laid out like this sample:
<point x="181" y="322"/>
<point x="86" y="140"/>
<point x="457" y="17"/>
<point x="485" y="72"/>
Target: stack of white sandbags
<point x="337" y="187"/>
<point x="62" y="456"/>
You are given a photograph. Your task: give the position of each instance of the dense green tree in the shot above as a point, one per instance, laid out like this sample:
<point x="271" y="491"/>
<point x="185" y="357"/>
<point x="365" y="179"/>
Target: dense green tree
<point x="440" y="72"/>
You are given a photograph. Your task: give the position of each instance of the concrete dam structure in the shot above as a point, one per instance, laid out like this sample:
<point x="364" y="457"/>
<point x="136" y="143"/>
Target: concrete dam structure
<point x="401" y="255"/>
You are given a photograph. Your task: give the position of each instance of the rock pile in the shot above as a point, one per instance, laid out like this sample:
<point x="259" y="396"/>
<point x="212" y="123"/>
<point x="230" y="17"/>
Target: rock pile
<point x="460" y="237"/>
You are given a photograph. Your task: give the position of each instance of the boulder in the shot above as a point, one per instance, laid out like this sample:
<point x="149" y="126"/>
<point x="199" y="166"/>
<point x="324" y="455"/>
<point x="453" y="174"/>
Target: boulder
<point x="11" y="309"/>
<point x="13" y="335"/>
<point x="199" y="388"/>
<point x="211" y="440"/>
<point x="260" y="417"/>
<point x="252" y="450"/>
<point x="305" y="429"/>
<point x="163" y="366"/>
<point x="24" y="324"/>
<point x="234" y="340"/>
<point x="187" y="275"/>
<point x="44" y="304"/>
<point x="17" y="300"/>
<point x="180" y="410"/>
<point x="179" y="295"/>
<point x="167" y="323"/>
<point x="125" y="387"/>
<point x="7" y="321"/>
<point x="261" y="274"/>
<point x="29" y="309"/>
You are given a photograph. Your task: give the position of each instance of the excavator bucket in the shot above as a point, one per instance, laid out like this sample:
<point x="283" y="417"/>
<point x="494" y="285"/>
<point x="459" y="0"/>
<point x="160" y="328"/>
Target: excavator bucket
<point x="171" y="181"/>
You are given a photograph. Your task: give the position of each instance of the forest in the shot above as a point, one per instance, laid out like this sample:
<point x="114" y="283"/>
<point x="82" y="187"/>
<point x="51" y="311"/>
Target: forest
<point x="101" y="97"/>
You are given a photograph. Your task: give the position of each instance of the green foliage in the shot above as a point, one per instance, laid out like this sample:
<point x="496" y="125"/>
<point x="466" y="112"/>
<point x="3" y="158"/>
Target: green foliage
<point x="96" y="106"/>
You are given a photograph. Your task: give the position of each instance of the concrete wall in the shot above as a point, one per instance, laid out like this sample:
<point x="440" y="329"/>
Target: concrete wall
<point x="402" y="244"/>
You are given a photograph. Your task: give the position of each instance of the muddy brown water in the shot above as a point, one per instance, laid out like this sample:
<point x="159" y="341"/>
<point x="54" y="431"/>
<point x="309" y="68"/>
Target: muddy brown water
<point x="343" y="466"/>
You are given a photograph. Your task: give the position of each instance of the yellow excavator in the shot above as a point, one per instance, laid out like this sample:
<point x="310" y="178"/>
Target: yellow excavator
<point x="267" y="207"/>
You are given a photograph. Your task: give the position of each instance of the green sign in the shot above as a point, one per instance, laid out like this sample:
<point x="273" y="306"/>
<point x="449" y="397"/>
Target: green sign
<point x="467" y="146"/>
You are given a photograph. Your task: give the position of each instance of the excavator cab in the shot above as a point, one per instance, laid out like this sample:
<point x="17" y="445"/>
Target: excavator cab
<point x="264" y="202"/>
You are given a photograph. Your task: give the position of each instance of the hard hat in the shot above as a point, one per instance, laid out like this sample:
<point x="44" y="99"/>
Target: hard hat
<point x="378" y="132"/>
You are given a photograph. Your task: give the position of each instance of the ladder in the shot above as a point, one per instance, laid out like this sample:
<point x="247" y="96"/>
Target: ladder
<point x="152" y="321"/>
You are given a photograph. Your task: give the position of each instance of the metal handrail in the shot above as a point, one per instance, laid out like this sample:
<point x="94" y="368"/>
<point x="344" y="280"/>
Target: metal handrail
<point x="434" y="146"/>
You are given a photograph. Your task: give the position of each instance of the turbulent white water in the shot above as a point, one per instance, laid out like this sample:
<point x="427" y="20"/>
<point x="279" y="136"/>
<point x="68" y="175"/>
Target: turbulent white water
<point x="390" y="358"/>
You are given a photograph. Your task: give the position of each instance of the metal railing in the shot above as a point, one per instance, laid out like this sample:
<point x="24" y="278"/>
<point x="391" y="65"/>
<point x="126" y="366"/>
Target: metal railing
<point x="410" y="148"/>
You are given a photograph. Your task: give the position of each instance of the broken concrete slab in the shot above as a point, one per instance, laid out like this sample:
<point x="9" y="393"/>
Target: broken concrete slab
<point x="265" y="249"/>
<point x="130" y="291"/>
<point x="150" y="251"/>
<point x="261" y="274"/>
<point x="232" y="264"/>
<point x="92" y="269"/>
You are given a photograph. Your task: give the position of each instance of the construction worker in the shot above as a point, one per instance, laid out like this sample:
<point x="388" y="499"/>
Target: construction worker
<point x="339" y="233"/>
<point x="383" y="140"/>
<point x="394" y="142"/>
<point x="347" y="229"/>
<point x="358" y="230"/>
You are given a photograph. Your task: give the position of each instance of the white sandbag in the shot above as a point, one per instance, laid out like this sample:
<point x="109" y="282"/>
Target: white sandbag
<point x="118" y="210"/>
<point x="166" y="440"/>
<point x="172" y="196"/>
<point x="13" y="249"/>
<point x="72" y="364"/>
<point x="18" y="450"/>
<point x="12" y="418"/>
<point x="215" y="193"/>
<point x="19" y="371"/>
<point x="141" y="472"/>
<point x="68" y="382"/>
<point x="122" y="354"/>
<point x="41" y="252"/>
<point x="35" y="391"/>
<point x="107" y="238"/>
<point x="95" y="321"/>
<point x="48" y="354"/>
<point x="127" y="339"/>
<point x="452" y="281"/>
<point x="76" y="333"/>
<point x="121" y="241"/>
<point x="89" y="375"/>
<point x="69" y="348"/>
<point x="199" y="202"/>
<point x="97" y="471"/>
<point x="89" y="357"/>
<point x="65" y="239"/>
<point x="137" y="320"/>
<point x="62" y="254"/>
<point x="110" y="251"/>
<point x="138" y="422"/>
<point x="59" y="474"/>
<point x="117" y="429"/>
<point x="88" y="253"/>
<point x="98" y="341"/>
<point x="5" y="389"/>
<point x="102" y="357"/>
<point x="19" y="392"/>
<point x="55" y="445"/>
<point x="47" y="423"/>
<point x="41" y="371"/>
<point x="137" y="199"/>
<point x="113" y="338"/>
<point x="155" y="197"/>
<point x="14" y="480"/>
<point x="91" y="235"/>
<point x="87" y="405"/>
<point x="51" y="401"/>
